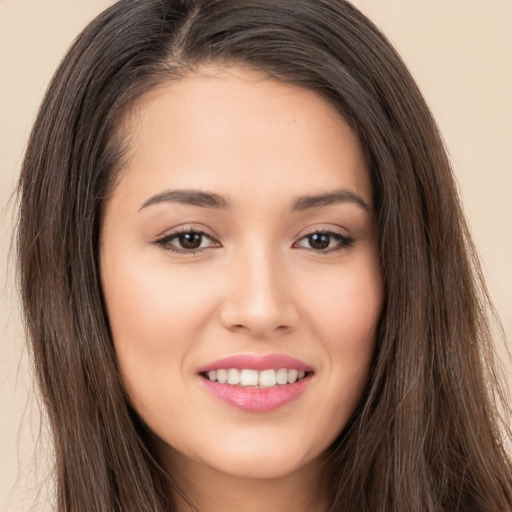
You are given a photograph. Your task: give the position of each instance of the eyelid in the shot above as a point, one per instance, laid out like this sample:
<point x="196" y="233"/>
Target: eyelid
<point x="186" y="228"/>
<point x="164" y="239"/>
<point x="345" y="241"/>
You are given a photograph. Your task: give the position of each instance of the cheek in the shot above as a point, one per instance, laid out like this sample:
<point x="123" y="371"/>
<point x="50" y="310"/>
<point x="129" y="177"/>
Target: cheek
<point x="347" y="309"/>
<point x="156" y="317"/>
<point x="346" y="321"/>
<point x="152" y="301"/>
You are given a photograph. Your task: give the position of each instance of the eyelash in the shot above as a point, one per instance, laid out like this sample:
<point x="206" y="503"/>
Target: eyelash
<point x="165" y="241"/>
<point x="344" y="242"/>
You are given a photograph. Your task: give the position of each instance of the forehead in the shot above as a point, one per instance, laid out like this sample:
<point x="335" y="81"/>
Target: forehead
<point x="230" y="129"/>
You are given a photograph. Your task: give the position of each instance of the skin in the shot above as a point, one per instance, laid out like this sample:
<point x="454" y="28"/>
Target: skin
<point x="257" y="286"/>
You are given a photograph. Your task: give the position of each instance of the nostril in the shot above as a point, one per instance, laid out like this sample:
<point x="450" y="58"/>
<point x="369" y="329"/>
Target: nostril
<point x="258" y="331"/>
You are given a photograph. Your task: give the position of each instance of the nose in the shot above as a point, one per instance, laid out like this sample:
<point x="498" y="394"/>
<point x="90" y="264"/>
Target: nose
<point x="259" y="300"/>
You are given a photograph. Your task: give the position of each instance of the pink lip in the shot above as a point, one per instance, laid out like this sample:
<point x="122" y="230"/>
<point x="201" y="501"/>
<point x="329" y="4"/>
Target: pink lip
<point x="252" y="362"/>
<point x="257" y="399"/>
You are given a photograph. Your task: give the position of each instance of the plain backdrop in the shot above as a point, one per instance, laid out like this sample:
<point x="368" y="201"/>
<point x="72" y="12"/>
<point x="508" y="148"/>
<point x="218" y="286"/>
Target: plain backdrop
<point x="459" y="51"/>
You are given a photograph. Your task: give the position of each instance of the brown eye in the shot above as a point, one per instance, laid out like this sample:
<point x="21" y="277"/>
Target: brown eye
<point x="319" y="241"/>
<point x="187" y="242"/>
<point x="190" y="240"/>
<point x="324" y="241"/>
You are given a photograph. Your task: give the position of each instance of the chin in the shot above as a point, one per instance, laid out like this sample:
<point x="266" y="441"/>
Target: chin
<point x="261" y="466"/>
<point x="263" y="458"/>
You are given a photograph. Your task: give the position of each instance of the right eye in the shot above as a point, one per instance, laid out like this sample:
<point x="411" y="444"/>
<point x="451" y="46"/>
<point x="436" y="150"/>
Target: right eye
<point x="187" y="241"/>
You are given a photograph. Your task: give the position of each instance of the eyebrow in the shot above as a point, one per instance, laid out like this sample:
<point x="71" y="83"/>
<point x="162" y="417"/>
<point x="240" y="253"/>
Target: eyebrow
<point x="190" y="197"/>
<point x="211" y="200"/>
<point x="338" y="196"/>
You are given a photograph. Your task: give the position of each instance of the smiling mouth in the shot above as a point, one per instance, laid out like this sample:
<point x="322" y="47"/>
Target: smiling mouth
<point x="257" y="383"/>
<point x="249" y="378"/>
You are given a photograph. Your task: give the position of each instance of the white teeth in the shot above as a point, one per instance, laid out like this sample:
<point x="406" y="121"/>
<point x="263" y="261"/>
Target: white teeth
<point x="222" y="376"/>
<point x="254" y="378"/>
<point x="267" y="378"/>
<point x="233" y="376"/>
<point x="292" y="376"/>
<point x="282" y="376"/>
<point x="249" y="378"/>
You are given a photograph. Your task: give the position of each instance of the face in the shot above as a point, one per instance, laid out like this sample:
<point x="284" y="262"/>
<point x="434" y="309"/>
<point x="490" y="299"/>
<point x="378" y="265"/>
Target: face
<point x="241" y="274"/>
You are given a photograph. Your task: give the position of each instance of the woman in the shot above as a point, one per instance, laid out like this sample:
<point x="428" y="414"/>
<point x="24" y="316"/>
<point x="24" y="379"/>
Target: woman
<point x="246" y="277"/>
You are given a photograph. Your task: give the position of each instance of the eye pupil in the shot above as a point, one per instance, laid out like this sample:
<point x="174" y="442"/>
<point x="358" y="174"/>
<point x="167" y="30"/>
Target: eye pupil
<point x="190" y="240"/>
<point x="319" y="240"/>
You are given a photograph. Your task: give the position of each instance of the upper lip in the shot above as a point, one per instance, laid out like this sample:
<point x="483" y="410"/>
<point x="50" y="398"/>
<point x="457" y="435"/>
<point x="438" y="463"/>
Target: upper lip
<point x="257" y="362"/>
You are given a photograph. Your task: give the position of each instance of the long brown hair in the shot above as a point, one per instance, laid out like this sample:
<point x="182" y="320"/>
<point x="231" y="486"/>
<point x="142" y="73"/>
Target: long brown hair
<point x="426" y="434"/>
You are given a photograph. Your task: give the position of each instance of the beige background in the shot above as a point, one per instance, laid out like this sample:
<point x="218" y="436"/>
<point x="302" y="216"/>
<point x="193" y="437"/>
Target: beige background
<point x="460" y="52"/>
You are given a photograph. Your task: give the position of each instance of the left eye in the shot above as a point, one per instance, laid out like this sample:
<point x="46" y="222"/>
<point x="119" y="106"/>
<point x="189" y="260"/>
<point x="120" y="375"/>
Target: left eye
<point x="187" y="241"/>
<point x="324" y="241"/>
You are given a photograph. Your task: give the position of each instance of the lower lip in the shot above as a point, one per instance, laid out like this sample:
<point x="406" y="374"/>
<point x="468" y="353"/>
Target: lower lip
<point x="257" y="399"/>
